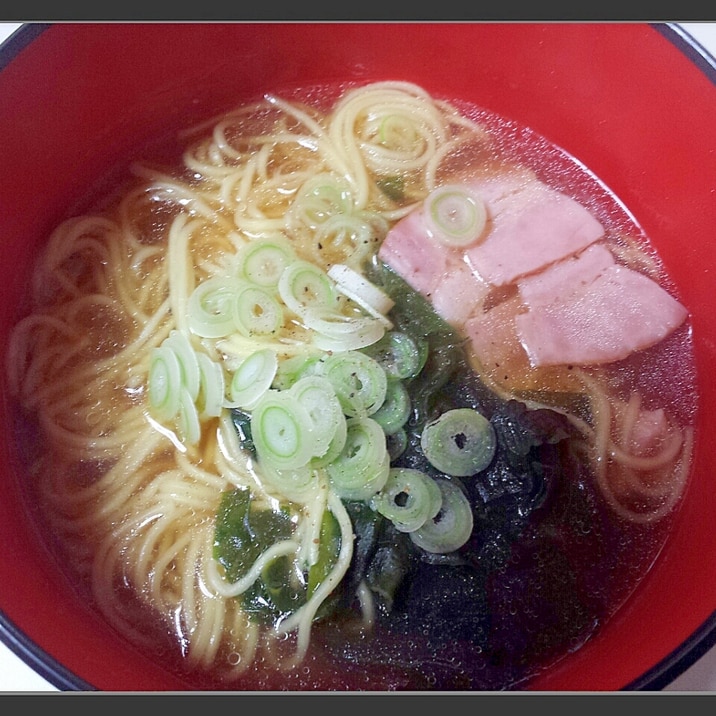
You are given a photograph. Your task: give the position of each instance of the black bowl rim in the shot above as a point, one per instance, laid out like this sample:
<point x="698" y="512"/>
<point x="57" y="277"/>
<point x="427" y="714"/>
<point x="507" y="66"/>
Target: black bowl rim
<point x="656" y="679"/>
<point x="40" y="661"/>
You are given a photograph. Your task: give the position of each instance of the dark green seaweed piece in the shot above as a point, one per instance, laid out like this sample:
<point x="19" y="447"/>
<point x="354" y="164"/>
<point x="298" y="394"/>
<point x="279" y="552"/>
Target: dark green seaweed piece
<point x="519" y="429"/>
<point x="412" y="312"/>
<point x="242" y="533"/>
<point x="440" y="597"/>
<point x="367" y="524"/>
<point x="242" y="423"/>
<point x="329" y="548"/>
<point x="445" y="604"/>
<point x="390" y="565"/>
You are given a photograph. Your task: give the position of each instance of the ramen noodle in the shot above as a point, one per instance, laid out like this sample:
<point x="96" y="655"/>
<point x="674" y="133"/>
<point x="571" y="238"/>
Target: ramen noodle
<point x="369" y="390"/>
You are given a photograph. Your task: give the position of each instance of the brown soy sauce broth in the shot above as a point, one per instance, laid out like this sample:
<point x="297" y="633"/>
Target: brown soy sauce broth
<point x="549" y="585"/>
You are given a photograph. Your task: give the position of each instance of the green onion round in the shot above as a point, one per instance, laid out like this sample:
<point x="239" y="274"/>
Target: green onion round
<point x="408" y="499"/>
<point x="335" y="447"/>
<point x="451" y="527"/>
<point x="211" y="306"/>
<point x="187" y="423"/>
<point x="257" y="312"/>
<point x="316" y="394"/>
<point x="337" y="332"/>
<point x="262" y="261"/>
<point x="398" y="132"/>
<point x="455" y="216"/>
<point x="395" y="410"/>
<point x="359" y="289"/>
<point x="190" y="376"/>
<point x="460" y="442"/>
<point x="252" y="379"/>
<point x="320" y="198"/>
<point x="164" y="383"/>
<point x="297" y="484"/>
<point x="399" y="354"/>
<point x="358" y="380"/>
<point x="294" y="368"/>
<point x="363" y="465"/>
<point x="210" y="400"/>
<point x="304" y="285"/>
<point x="281" y="431"/>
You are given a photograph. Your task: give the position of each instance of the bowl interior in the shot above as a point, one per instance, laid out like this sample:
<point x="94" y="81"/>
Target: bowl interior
<point x="624" y="99"/>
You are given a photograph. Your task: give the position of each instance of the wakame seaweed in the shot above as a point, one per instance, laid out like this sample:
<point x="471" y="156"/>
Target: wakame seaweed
<point x="243" y="532"/>
<point x="440" y="595"/>
<point x="242" y="423"/>
<point x="527" y="466"/>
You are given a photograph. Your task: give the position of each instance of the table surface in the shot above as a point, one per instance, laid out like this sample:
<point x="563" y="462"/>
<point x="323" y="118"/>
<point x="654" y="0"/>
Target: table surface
<point x="17" y="676"/>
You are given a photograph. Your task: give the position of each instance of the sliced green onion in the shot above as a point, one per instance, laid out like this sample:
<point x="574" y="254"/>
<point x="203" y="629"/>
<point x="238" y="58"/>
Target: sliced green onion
<point x="211" y="306"/>
<point x="281" y="431"/>
<point x="451" y="527"/>
<point x="211" y="387"/>
<point x="358" y="380"/>
<point x="350" y="238"/>
<point x="460" y="442"/>
<point x="321" y="197"/>
<point x="332" y="323"/>
<point x="395" y="410"/>
<point x="316" y="394"/>
<point x="294" y="368"/>
<point x="165" y="383"/>
<point x="296" y="484"/>
<point x="262" y="261"/>
<point x="398" y="132"/>
<point x="335" y="447"/>
<point x="337" y="332"/>
<point x="185" y="353"/>
<point x="303" y="285"/>
<point x="408" y="499"/>
<point x="399" y="354"/>
<point x="455" y="215"/>
<point x="179" y="378"/>
<point x="360" y="339"/>
<point x="252" y="379"/>
<point x="187" y="423"/>
<point x="257" y="312"/>
<point x="366" y="294"/>
<point x="363" y="465"/>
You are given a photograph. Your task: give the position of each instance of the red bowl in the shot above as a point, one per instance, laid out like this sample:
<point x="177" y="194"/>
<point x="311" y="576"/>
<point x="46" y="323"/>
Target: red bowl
<point x="633" y="102"/>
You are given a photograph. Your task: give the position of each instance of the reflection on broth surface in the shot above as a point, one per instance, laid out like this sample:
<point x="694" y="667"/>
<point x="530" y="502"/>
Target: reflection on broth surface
<point x="370" y="390"/>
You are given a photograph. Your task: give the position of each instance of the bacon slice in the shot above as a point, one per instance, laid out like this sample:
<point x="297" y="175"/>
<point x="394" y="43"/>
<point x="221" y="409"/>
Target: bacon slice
<point x="564" y="278"/>
<point x="530" y="226"/>
<point x="459" y="292"/>
<point x="581" y="306"/>
<point x="621" y="311"/>
<point x="437" y="271"/>
<point x="408" y="250"/>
